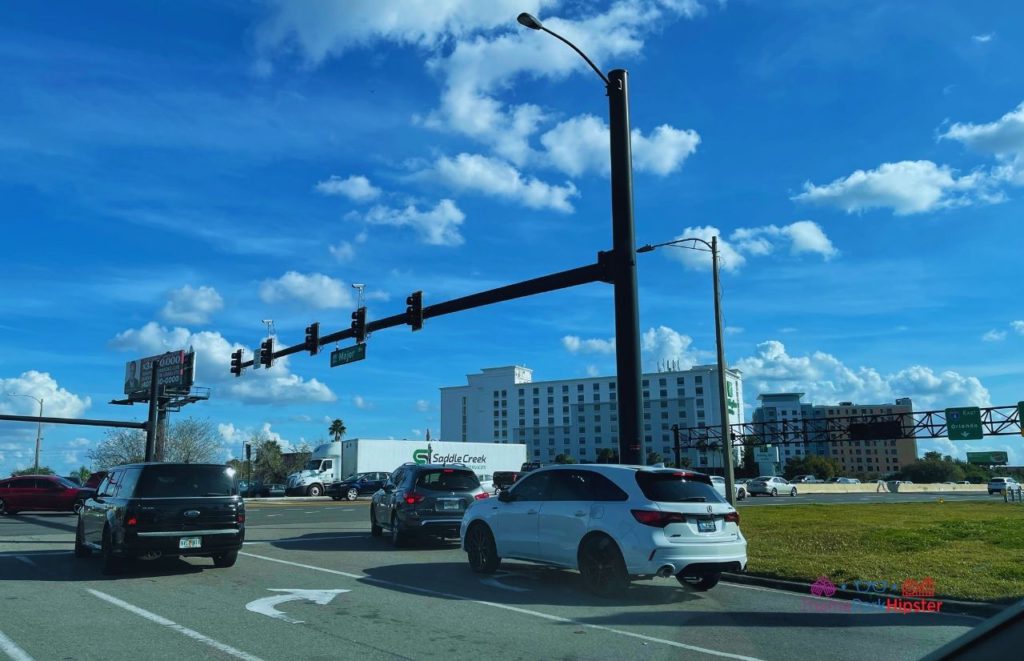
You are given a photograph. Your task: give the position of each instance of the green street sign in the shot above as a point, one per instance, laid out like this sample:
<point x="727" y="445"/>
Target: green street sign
<point x="348" y="355"/>
<point x="993" y="458"/>
<point x="963" y="424"/>
<point x="1020" y="417"/>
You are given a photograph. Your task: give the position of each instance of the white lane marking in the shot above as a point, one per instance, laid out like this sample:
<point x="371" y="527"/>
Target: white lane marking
<point x="270" y="515"/>
<point x="515" y="609"/>
<point x="11" y="649"/>
<point x="28" y="561"/>
<point x="265" y="606"/>
<point x="195" y="635"/>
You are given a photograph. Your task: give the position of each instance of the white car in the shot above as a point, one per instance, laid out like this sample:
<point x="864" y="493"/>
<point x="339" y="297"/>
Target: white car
<point x="1000" y="484"/>
<point x="770" y="485"/>
<point x="611" y="522"/>
<point x="740" y="490"/>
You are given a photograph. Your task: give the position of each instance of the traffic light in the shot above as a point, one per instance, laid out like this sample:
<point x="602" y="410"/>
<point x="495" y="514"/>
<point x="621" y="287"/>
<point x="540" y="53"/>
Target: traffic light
<point x="236" y="362"/>
<point x="267" y="352"/>
<point x="359" y="324"/>
<point x="414" y="310"/>
<point x="248" y="452"/>
<point x="313" y="338"/>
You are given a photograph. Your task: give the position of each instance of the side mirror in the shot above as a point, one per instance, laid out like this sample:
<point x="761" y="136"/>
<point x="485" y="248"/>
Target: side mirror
<point x="505" y="496"/>
<point x="388" y="487"/>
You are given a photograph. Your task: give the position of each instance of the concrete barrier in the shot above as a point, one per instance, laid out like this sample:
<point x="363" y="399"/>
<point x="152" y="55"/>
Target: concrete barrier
<point x="891" y="487"/>
<point x="814" y="487"/>
<point x="948" y="488"/>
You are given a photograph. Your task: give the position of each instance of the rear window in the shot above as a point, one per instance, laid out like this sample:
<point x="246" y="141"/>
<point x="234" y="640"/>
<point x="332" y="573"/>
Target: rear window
<point x="448" y="479"/>
<point x="670" y="488"/>
<point x="189" y="481"/>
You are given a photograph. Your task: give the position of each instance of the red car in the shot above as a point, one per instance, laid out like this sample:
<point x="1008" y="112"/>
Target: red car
<point x="48" y="493"/>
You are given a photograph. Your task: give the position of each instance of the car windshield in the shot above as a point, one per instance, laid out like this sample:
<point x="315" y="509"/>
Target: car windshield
<point x="313" y="465"/>
<point x="447" y="479"/>
<point x="66" y="483"/>
<point x="181" y="481"/>
<point x="671" y="487"/>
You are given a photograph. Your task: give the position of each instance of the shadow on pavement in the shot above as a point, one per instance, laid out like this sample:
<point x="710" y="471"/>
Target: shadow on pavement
<point x="60" y="520"/>
<point x="352" y="541"/>
<point x="63" y="566"/>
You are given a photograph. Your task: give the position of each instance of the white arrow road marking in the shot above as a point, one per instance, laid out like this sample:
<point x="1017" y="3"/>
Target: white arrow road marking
<point x="265" y="606"/>
<point x="496" y="580"/>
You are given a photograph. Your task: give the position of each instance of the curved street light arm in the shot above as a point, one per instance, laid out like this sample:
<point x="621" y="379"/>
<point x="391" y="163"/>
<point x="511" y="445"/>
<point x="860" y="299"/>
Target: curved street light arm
<point x="582" y="54"/>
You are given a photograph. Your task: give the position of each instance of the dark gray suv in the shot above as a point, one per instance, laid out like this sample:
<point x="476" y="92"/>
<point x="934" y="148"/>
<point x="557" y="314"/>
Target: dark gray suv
<point x="424" y="499"/>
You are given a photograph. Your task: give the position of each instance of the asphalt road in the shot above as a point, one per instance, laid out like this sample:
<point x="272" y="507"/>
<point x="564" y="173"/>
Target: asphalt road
<point x="384" y="603"/>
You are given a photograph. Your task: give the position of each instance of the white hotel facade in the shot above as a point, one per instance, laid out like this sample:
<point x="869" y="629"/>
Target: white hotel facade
<point x="579" y="417"/>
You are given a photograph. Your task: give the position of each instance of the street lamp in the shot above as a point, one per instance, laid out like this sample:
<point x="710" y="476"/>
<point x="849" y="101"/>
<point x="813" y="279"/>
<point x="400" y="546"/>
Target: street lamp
<point x="620" y="262"/>
<point x="39" y="427"/>
<point x="720" y="344"/>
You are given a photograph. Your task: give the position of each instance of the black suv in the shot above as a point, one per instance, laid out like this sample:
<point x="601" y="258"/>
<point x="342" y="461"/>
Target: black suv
<point x="361" y="484"/>
<point x="424" y="499"/>
<point x="152" y="510"/>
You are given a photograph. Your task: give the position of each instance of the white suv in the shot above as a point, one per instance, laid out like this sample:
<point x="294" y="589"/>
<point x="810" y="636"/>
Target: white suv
<point x="611" y="522"/>
<point x="1000" y="484"/>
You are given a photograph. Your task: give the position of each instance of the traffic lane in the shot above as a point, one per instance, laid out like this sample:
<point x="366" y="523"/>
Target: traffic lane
<point x="15" y="525"/>
<point x="751" y="620"/>
<point x="860" y="498"/>
<point x="371" y="620"/>
<point x="50" y="619"/>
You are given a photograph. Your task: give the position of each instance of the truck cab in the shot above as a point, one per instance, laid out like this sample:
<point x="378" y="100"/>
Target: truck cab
<point x="311" y="480"/>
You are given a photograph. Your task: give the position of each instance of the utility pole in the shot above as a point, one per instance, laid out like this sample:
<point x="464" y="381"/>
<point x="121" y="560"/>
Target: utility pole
<point x="675" y="435"/>
<point x="154" y="407"/>
<point x="722" y="401"/>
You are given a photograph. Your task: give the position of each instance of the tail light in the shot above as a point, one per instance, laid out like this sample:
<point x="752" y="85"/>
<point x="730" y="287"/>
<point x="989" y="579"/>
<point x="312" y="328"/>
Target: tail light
<point x="733" y="517"/>
<point x="240" y="517"/>
<point x="657" y="519"/>
<point x="482" y="496"/>
<point x="412" y="498"/>
<point x="132" y="521"/>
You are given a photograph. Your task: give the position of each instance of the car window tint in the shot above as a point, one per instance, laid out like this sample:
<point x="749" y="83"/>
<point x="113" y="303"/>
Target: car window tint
<point x="177" y="481"/>
<point x="447" y="479"/>
<point x="567" y="485"/>
<point x="603" y="489"/>
<point x="109" y="486"/>
<point x="532" y="487"/>
<point x="127" y="486"/>
<point x="669" y="487"/>
<point x="23" y="483"/>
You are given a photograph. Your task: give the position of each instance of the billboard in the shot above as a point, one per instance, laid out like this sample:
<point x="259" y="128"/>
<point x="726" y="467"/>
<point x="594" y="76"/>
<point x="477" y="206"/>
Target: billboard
<point x="175" y="372"/>
<point x="992" y="458"/>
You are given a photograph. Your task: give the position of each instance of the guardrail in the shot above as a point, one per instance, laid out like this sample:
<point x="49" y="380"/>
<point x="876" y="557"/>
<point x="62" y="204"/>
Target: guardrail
<point x="1008" y="495"/>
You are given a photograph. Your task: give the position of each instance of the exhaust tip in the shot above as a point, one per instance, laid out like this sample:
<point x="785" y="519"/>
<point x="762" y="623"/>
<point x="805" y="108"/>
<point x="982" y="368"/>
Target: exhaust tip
<point x="666" y="570"/>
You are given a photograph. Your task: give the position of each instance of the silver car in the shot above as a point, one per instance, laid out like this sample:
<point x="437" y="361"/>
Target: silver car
<point x="770" y="485"/>
<point x="738" y="488"/>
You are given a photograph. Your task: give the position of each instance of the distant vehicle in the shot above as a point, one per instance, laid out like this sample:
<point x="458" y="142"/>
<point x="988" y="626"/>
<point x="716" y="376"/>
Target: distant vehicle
<point x="248" y="489"/>
<point x="771" y="486"/>
<point x="530" y="466"/>
<point x="504" y="479"/>
<point x="964" y="482"/>
<point x="363" y="484"/>
<point x="1001" y="484"/>
<point x="805" y="479"/>
<point x="844" y="480"/>
<point x="612" y="523"/>
<point x="424" y="499"/>
<point x="148" y="511"/>
<point x="272" y="490"/>
<point x="738" y="489"/>
<point x="46" y="493"/>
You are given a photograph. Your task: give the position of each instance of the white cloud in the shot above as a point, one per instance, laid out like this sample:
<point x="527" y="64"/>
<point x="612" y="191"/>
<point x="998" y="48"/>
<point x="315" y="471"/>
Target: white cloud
<point x="993" y="336"/>
<point x="422" y="405"/>
<point x="575" y="345"/>
<point x="665" y="345"/>
<point x="57" y="402"/>
<point x="804" y="236"/>
<point x="437" y="227"/>
<point x="1003" y="137"/>
<point x="593" y="371"/>
<point x="276" y="385"/>
<point x="229" y="432"/>
<point x="825" y="379"/>
<point x="192" y="306"/>
<point x="733" y="330"/>
<point x="580" y="145"/>
<point x="983" y="38"/>
<point x="377" y="296"/>
<point x="80" y="442"/>
<point x="360" y="402"/>
<point x="729" y="258"/>
<point x="907" y="187"/>
<point x="1018" y="326"/>
<point x="492" y="176"/>
<point x="314" y="290"/>
<point x="356" y="188"/>
<point x="344" y="252"/>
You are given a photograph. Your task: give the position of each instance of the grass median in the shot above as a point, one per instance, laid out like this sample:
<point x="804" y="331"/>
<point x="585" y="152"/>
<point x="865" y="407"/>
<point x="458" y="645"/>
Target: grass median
<point x="972" y="550"/>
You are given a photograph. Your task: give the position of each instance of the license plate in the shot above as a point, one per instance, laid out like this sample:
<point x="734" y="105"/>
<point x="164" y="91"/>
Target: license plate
<point x="190" y="542"/>
<point x="705" y="525"/>
<point x="450" y="505"/>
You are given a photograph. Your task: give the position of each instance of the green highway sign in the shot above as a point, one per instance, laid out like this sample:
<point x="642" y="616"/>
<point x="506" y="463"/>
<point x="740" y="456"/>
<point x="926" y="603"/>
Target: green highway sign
<point x="963" y="424"/>
<point x="348" y="355"/>
<point x="994" y="458"/>
<point x="1020" y="417"/>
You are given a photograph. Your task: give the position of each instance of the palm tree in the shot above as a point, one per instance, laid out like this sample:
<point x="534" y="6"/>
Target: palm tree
<point x="337" y="429"/>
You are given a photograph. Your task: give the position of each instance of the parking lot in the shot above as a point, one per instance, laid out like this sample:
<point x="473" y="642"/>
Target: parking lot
<point x="311" y="583"/>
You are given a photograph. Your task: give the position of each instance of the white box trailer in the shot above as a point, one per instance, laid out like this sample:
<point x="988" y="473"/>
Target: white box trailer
<point x="335" y="461"/>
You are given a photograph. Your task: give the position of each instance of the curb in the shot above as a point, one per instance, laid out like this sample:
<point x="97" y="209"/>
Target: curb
<point x="982" y="609"/>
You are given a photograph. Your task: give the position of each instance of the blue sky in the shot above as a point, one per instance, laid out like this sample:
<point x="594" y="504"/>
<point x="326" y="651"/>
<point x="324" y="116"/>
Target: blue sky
<point x="174" y="173"/>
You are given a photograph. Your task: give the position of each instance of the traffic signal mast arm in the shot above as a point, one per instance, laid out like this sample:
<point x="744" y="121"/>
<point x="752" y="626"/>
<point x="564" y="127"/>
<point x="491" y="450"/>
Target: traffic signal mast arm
<point x="597" y="272"/>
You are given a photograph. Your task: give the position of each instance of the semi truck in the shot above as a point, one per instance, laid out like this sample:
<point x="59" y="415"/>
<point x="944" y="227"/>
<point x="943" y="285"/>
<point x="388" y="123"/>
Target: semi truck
<point x="338" y="460"/>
